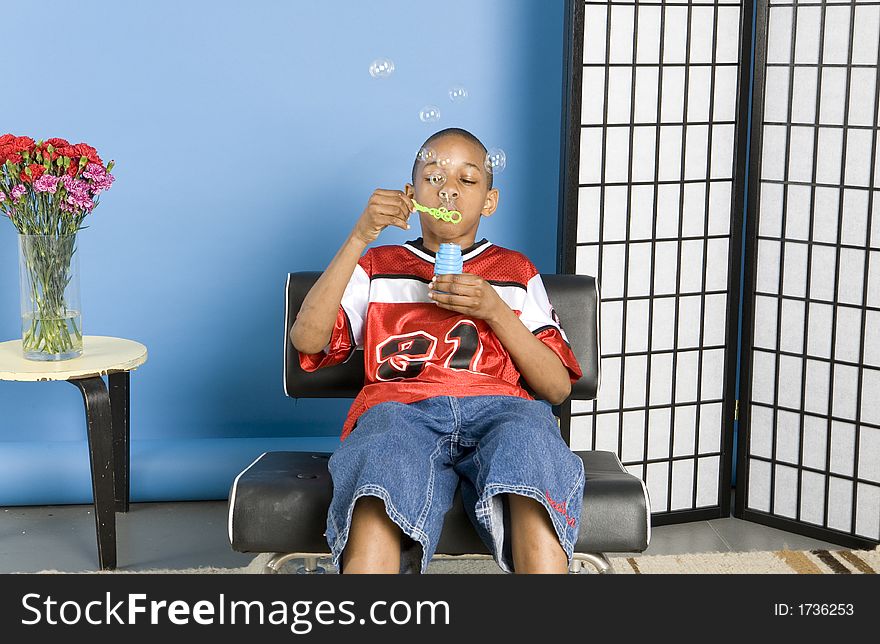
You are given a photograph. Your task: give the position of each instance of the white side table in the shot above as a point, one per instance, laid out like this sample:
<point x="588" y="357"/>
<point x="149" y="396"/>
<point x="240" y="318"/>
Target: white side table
<point x="107" y="417"/>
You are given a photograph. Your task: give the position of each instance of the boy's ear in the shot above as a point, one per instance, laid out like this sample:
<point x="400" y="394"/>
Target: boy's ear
<point x="491" y="202"/>
<point x="409" y="190"/>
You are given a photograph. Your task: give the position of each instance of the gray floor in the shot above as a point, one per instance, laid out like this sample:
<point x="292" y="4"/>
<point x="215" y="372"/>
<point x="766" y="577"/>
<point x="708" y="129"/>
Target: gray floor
<point x="189" y="535"/>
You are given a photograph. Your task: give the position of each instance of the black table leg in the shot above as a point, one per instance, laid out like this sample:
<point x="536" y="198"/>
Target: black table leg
<point x="119" y="407"/>
<point x="99" y="419"/>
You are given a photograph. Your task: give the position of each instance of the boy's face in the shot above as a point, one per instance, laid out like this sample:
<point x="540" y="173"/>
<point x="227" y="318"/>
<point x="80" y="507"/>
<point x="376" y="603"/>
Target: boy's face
<point x="466" y="187"/>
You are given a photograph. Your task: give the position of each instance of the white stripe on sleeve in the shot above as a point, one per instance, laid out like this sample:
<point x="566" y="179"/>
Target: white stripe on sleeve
<point x="537" y="311"/>
<point x="355" y="300"/>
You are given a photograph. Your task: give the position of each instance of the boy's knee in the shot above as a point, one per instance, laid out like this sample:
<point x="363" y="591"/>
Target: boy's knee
<point x="528" y="514"/>
<point x="374" y="540"/>
<point x="525" y="506"/>
<point x="369" y="512"/>
<point x="370" y="504"/>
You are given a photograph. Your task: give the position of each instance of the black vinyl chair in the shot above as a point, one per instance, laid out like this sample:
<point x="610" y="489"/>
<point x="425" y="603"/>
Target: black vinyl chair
<point x="279" y="503"/>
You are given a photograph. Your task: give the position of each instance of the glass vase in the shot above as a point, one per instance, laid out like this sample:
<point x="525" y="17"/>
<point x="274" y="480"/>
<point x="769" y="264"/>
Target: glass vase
<point x="51" y="319"/>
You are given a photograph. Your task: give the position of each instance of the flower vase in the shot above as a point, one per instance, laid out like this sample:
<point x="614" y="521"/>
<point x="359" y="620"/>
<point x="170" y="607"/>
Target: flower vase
<point x="51" y="319"/>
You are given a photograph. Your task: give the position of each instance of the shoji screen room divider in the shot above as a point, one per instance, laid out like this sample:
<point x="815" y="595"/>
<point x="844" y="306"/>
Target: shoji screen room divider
<point x="658" y="160"/>
<point x="811" y="377"/>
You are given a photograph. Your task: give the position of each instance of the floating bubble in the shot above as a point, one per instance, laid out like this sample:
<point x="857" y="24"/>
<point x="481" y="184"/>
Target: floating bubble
<point x="444" y="163"/>
<point x="427" y="155"/>
<point x="437" y="179"/>
<point x="458" y="94"/>
<point x="496" y="160"/>
<point x="429" y="114"/>
<point x="382" y="68"/>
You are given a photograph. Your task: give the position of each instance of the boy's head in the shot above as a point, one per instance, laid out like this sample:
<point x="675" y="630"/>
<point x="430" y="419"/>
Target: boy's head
<point x="424" y="154"/>
<point x="450" y="170"/>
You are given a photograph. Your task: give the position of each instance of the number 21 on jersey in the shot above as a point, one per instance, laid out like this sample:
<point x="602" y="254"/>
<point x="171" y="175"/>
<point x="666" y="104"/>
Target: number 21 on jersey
<point x="405" y="356"/>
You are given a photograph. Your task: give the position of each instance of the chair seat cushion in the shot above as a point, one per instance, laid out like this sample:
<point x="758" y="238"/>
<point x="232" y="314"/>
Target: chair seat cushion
<point x="279" y="504"/>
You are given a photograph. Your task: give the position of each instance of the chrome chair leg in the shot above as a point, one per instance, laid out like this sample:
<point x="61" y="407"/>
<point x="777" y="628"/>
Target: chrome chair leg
<point x="599" y="561"/>
<point x="310" y="563"/>
<point x="279" y="559"/>
<point x="310" y="567"/>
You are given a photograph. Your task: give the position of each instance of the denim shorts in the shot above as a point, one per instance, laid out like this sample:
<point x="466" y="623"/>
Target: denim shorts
<point x="413" y="456"/>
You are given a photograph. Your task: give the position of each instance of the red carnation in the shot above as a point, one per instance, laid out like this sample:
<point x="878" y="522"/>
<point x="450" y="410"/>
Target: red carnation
<point x="36" y="172"/>
<point x="43" y="148"/>
<point x="11" y="147"/>
<point x="84" y="150"/>
<point x="23" y="143"/>
<point x="67" y="151"/>
<point x="56" y="144"/>
<point x="8" y="153"/>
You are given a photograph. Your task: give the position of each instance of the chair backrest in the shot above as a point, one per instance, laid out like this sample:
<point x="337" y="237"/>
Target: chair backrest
<point x="575" y="298"/>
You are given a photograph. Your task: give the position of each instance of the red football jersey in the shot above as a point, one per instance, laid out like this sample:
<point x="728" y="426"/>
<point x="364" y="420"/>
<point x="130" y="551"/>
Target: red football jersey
<point x="413" y="349"/>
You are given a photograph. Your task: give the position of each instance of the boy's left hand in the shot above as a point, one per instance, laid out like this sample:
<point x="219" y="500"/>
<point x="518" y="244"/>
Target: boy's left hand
<point x="468" y="294"/>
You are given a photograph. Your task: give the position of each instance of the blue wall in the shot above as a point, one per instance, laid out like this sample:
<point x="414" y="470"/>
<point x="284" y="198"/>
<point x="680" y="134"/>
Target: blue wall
<point x="248" y="137"/>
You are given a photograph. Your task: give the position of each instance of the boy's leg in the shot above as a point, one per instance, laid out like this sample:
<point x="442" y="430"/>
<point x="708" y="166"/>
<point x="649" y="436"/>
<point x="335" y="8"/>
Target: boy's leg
<point x="392" y="486"/>
<point x="534" y="542"/>
<point x="373" y="541"/>
<point x="520" y="463"/>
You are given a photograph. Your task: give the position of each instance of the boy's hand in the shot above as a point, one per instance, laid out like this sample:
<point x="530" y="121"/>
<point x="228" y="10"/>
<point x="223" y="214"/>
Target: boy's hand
<point x="385" y="208"/>
<point x="468" y="294"/>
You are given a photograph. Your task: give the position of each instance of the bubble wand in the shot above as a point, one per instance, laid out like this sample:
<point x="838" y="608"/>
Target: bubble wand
<point x="452" y="216"/>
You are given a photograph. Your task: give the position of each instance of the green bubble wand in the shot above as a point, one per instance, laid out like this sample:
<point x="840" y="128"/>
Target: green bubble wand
<point x="439" y="213"/>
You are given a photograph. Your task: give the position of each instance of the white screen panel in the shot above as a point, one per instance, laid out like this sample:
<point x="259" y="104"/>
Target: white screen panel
<point x="657" y="190"/>
<point x="813" y="409"/>
<point x="812" y="497"/>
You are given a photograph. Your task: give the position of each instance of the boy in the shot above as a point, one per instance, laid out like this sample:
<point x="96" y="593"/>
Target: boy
<point x="442" y="403"/>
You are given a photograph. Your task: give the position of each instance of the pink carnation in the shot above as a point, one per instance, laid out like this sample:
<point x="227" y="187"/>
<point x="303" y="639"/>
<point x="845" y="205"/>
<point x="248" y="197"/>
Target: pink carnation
<point x="18" y="191"/>
<point x="85" y="203"/>
<point x="101" y="179"/>
<point x="75" y="187"/>
<point x="78" y="196"/>
<point x="94" y="171"/>
<point x="103" y="184"/>
<point x="46" y="183"/>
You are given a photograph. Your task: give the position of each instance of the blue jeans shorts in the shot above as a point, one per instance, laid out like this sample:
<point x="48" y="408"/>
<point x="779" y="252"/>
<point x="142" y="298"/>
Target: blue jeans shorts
<point x="413" y="456"/>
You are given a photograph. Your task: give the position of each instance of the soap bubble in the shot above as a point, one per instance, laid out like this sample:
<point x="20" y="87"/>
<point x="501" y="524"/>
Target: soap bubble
<point x="437" y="178"/>
<point x="430" y="114"/>
<point x="496" y="160"/>
<point x="381" y="68"/>
<point x="458" y="94"/>
<point x="427" y="155"/>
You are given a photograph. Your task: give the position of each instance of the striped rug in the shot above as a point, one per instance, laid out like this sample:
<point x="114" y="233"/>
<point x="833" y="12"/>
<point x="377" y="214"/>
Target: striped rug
<point x="785" y="562"/>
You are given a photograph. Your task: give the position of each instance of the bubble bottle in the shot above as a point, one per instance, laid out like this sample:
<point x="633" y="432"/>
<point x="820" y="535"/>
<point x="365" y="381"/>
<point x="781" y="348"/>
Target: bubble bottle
<point x="448" y="260"/>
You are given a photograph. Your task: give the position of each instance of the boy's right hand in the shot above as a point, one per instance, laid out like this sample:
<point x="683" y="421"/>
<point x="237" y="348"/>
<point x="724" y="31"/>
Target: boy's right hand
<point x="385" y="208"/>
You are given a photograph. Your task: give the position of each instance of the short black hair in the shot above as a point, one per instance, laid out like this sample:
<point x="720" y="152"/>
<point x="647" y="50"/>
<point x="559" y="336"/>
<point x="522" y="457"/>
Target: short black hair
<point x="457" y="131"/>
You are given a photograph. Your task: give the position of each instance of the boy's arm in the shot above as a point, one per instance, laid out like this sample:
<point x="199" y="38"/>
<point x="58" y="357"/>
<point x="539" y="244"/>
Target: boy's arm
<point x="539" y="366"/>
<point x="311" y="331"/>
<point x="313" y="327"/>
<point x="470" y="294"/>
